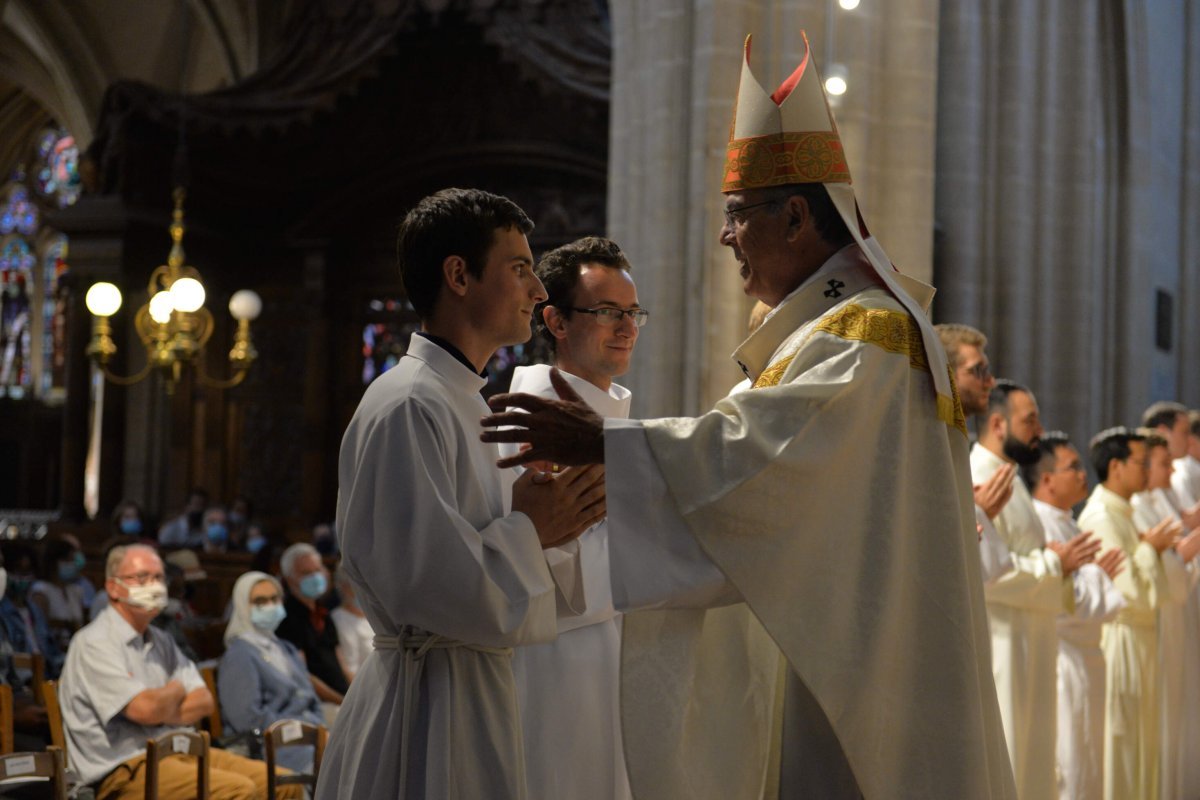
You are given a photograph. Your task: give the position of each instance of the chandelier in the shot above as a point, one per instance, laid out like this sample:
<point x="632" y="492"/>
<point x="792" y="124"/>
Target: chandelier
<point x="173" y="325"/>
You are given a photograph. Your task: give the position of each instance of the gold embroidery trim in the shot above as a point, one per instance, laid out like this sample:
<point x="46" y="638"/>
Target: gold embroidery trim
<point x="894" y="331"/>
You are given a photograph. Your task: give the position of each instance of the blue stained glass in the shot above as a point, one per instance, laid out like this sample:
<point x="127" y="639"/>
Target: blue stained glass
<point x="16" y="255"/>
<point x="19" y="214"/>
<point x="58" y="172"/>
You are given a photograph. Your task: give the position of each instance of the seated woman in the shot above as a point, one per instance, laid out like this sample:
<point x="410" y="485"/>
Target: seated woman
<point x="261" y="678"/>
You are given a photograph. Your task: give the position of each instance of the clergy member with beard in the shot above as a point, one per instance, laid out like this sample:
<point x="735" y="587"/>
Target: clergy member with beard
<point x="806" y="552"/>
<point x="445" y="550"/>
<point x="1022" y="605"/>
<point x="1185" y="480"/>
<point x="1058" y="481"/>
<point x="1130" y="640"/>
<point x="1176" y="643"/>
<point x="568" y="688"/>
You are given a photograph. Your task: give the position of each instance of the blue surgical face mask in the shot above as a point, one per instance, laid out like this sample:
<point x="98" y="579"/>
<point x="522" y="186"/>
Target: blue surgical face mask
<point x="236" y="518"/>
<point x="217" y="533"/>
<point x="256" y="543"/>
<point x="314" y="585"/>
<point x="131" y="527"/>
<point x="68" y="570"/>
<point x="267" y="618"/>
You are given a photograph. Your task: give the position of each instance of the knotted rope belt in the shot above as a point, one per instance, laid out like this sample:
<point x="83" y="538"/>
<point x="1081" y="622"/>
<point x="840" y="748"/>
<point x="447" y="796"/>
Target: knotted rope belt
<point x="416" y="644"/>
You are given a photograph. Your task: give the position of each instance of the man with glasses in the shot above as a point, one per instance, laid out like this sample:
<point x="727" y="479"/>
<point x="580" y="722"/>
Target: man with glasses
<point x="1058" y="482"/>
<point x="808" y="547"/>
<point x="1130" y="642"/>
<point x="568" y="688"/>
<point x="126" y="681"/>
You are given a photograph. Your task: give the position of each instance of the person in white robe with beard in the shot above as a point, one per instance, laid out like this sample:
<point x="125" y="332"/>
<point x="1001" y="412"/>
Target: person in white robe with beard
<point x="1130" y="640"/>
<point x="809" y="546"/>
<point x="445" y="550"/>
<point x="1024" y="604"/>
<point x="1185" y="480"/>
<point x="1150" y="507"/>
<point x="568" y="688"/>
<point x="1058" y="481"/>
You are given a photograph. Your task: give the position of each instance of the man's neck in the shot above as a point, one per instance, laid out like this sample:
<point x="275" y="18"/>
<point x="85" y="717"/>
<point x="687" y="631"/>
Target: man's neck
<point x="994" y="447"/>
<point x="137" y="624"/>
<point x="1118" y="490"/>
<point x="458" y="331"/>
<point x="302" y="600"/>
<point x="565" y="364"/>
<point x="1050" y="501"/>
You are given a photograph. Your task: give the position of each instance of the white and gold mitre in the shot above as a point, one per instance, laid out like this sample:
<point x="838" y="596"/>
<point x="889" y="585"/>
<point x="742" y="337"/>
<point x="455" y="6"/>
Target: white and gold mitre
<point x="788" y="136"/>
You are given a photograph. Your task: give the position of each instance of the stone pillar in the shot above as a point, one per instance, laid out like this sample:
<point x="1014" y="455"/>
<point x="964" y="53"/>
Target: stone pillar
<point x="676" y="64"/>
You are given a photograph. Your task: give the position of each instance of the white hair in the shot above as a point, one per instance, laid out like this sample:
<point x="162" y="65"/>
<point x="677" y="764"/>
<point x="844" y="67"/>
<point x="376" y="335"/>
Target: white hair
<point x="293" y="554"/>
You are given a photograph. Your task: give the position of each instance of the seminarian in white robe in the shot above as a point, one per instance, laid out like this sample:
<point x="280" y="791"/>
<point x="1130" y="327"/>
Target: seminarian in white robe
<point x="825" y="520"/>
<point x="450" y="581"/>
<point x="1080" y="742"/>
<point x="568" y="688"/>
<point x="1185" y="481"/>
<point x="1022" y="608"/>
<point x="1130" y="644"/>
<point x="1174" y="644"/>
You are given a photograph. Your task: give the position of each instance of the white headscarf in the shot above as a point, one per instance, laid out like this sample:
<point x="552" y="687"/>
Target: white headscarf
<point x="239" y="621"/>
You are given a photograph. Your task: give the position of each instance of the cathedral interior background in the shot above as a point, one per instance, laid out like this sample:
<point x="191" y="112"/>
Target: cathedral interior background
<point x="1040" y="163"/>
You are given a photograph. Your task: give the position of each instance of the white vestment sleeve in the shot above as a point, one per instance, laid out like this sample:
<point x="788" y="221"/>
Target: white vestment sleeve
<point x="1096" y="596"/>
<point x="655" y="560"/>
<point x="994" y="555"/>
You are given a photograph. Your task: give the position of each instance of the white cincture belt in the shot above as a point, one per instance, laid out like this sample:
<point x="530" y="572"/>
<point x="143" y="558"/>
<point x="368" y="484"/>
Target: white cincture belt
<point x="416" y="644"/>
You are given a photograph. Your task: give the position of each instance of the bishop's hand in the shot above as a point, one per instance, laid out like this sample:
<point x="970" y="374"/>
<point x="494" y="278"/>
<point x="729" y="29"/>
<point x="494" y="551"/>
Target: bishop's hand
<point x="565" y="431"/>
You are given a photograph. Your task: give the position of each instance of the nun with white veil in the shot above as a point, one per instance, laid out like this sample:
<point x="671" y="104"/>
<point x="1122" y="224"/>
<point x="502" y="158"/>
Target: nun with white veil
<point x="262" y="678"/>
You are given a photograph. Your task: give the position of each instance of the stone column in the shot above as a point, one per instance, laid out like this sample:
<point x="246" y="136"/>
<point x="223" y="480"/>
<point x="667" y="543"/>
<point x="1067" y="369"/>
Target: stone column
<point x="676" y="64"/>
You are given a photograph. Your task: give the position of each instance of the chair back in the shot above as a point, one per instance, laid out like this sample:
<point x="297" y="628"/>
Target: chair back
<point x="293" y="733"/>
<point x="216" y="729"/>
<point x="54" y="716"/>
<point x="50" y="764"/>
<point x="184" y="743"/>
<point x="6" y="719"/>
<point x="35" y="664"/>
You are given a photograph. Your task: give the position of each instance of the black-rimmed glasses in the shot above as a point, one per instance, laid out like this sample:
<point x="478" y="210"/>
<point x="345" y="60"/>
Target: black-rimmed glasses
<point x="736" y="213"/>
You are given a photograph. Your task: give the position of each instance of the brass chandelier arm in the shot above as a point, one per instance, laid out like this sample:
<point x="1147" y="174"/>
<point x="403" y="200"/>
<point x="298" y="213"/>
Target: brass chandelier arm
<point x="126" y="380"/>
<point x="218" y="383"/>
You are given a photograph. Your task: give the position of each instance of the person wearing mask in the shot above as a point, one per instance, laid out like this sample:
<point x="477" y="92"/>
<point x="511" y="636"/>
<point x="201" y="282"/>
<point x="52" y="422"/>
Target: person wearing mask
<point x="186" y="530"/>
<point x="241" y="512"/>
<point x="28" y="717"/>
<point x="24" y="624"/>
<point x="262" y="678"/>
<point x="307" y="622"/>
<point x="125" y="682"/>
<point x="256" y="539"/>
<point x="60" y="593"/>
<point x="129" y="521"/>
<point x="216" y="530"/>
<point x="355" y="636"/>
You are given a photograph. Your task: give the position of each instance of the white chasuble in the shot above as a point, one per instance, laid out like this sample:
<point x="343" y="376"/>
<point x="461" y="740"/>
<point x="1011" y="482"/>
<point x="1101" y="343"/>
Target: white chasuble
<point x="450" y="580"/>
<point x="1022" y="606"/>
<point x="1080" y="741"/>
<point x="828" y="512"/>
<point x="568" y="688"/>
<point x="1130" y="644"/>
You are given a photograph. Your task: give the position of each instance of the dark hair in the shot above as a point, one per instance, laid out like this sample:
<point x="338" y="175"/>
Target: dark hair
<point x="1163" y="413"/>
<point x="1048" y="444"/>
<point x="998" y="398"/>
<point x="829" y="222"/>
<point x="55" y="550"/>
<point x="461" y="222"/>
<point x="558" y="271"/>
<point x="1194" y="419"/>
<point x="1109" y="444"/>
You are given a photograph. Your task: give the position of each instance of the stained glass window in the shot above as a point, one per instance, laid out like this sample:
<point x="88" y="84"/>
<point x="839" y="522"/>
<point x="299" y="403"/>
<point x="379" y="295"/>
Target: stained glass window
<point x="58" y="167"/>
<point x="18" y="214"/>
<point x="390" y="323"/>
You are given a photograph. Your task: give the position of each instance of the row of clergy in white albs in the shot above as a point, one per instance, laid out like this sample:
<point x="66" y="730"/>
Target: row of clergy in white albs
<point x="1095" y="619"/>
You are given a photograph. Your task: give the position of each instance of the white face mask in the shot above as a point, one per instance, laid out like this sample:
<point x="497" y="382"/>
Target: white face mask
<point x="151" y="597"/>
<point x="3" y="581"/>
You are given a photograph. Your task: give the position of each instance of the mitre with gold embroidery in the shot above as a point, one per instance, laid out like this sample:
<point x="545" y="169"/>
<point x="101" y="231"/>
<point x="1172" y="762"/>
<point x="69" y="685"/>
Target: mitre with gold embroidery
<point x="789" y="137"/>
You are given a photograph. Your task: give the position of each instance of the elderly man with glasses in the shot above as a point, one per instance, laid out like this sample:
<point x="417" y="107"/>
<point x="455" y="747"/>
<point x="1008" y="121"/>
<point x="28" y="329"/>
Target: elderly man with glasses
<point x="126" y="681"/>
<point x="568" y="688"/>
<point x="805" y="553"/>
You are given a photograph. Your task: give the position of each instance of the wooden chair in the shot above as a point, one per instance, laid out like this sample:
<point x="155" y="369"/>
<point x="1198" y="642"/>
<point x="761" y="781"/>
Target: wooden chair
<point x="51" y="764"/>
<point x="293" y="733"/>
<point x="216" y="729"/>
<point x="189" y="743"/>
<point x="35" y="663"/>
<point x="54" y="716"/>
<point x="6" y="719"/>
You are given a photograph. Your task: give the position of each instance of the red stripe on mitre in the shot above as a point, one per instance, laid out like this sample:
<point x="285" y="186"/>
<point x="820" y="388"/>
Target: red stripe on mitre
<point x="785" y="88"/>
